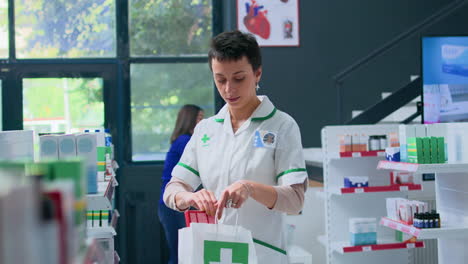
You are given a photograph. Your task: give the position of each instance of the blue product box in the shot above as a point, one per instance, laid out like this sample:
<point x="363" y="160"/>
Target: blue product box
<point x="356" y="181"/>
<point x="359" y="239"/>
<point x="392" y="154"/>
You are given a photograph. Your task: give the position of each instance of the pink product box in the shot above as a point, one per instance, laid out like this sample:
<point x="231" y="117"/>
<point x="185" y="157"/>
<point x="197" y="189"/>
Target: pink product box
<point x="400" y="177"/>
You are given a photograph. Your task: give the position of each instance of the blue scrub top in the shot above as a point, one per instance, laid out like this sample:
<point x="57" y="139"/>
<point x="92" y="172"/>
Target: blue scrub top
<point x="172" y="158"/>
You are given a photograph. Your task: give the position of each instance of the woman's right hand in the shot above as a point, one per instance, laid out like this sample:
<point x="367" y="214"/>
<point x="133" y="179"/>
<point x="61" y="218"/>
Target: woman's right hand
<point x="203" y="200"/>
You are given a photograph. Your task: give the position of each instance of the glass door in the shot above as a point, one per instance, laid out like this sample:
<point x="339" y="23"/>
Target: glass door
<point x="69" y="105"/>
<point x="52" y="98"/>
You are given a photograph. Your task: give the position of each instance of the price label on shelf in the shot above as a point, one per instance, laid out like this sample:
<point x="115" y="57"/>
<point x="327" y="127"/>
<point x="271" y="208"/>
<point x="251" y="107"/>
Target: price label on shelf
<point x="381" y="154"/>
<point x="403" y="188"/>
<point x="356" y="154"/>
<point x="359" y="190"/>
<point x="367" y="249"/>
<point x="410" y="245"/>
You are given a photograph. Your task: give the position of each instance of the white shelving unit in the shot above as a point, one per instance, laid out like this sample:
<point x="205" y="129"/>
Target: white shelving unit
<point x="102" y="232"/>
<point x="341" y="204"/>
<point x="451" y="188"/>
<point x="103" y="201"/>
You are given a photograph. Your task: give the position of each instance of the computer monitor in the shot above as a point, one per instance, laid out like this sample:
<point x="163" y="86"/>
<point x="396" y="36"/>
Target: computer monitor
<point x="445" y="79"/>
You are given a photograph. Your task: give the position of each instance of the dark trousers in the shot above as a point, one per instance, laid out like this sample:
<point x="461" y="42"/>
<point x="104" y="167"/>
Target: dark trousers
<point x="171" y="221"/>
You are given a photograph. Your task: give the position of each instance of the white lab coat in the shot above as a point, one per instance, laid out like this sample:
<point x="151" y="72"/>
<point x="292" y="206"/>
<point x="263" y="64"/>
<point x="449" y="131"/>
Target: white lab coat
<point x="266" y="149"/>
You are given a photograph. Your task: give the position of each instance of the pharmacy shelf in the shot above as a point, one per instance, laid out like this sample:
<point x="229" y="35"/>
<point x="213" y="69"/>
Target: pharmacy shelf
<point x="345" y="247"/>
<point x="103" y="199"/>
<point x="101" y="232"/>
<point x="373" y="189"/>
<point x="426" y="233"/>
<point x="359" y="154"/>
<point x="91" y="253"/>
<point x="422" y="168"/>
<point x="106" y="231"/>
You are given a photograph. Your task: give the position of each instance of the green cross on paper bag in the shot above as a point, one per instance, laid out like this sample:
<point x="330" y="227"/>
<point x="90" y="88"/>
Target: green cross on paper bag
<point x="216" y="252"/>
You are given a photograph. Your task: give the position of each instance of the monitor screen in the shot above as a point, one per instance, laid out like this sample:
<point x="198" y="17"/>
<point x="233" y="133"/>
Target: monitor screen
<point x="445" y="79"/>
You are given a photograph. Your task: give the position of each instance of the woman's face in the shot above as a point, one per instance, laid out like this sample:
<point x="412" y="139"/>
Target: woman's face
<point x="236" y="81"/>
<point x="200" y="116"/>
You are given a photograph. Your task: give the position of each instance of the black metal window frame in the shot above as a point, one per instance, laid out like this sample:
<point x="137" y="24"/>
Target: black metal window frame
<point x="114" y="71"/>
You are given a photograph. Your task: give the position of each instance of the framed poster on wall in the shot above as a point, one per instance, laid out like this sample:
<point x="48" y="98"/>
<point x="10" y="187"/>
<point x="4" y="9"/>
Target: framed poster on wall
<point x="273" y="22"/>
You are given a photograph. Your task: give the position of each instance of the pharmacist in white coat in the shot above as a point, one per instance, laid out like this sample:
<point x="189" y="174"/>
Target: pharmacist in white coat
<point x="248" y="156"/>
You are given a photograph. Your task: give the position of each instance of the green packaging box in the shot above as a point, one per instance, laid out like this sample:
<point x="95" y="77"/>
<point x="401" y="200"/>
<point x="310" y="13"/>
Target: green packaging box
<point x="441" y="149"/>
<point x="434" y="150"/>
<point x="415" y="150"/>
<point x="426" y="145"/>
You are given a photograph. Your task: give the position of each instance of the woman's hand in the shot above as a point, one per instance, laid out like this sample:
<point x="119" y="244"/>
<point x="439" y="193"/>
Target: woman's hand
<point x="233" y="196"/>
<point x="203" y="200"/>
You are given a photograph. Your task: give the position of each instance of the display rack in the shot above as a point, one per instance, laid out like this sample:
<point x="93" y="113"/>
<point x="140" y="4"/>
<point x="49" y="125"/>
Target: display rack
<point x="103" y="199"/>
<point x="427" y="233"/>
<point x="392" y="188"/>
<point x="358" y="154"/>
<point x="107" y="231"/>
<point x="423" y="168"/>
<point x="344" y="247"/>
<point x="102" y="232"/>
<point x="341" y="204"/>
<point x="92" y="252"/>
<point x="451" y="188"/>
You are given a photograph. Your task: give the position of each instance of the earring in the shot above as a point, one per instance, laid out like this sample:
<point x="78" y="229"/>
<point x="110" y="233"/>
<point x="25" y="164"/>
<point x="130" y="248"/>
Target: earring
<point x="257" y="87"/>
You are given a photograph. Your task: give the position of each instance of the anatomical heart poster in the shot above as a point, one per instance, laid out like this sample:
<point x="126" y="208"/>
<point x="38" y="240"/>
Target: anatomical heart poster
<point x="273" y="22"/>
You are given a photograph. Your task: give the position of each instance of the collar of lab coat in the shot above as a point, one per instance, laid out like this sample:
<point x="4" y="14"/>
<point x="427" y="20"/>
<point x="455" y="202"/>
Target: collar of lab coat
<point x="264" y="111"/>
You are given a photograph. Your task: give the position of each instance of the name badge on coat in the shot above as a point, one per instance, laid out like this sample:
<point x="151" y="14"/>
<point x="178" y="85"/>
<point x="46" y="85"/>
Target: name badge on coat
<point x="264" y="139"/>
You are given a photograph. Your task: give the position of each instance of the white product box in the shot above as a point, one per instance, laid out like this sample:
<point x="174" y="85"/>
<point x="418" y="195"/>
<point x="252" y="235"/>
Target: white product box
<point x="455" y="138"/>
<point x="67" y="146"/>
<point x="392" y="207"/>
<point x="86" y="147"/>
<point x="17" y="145"/>
<point x="49" y="147"/>
<point x="420" y="130"/>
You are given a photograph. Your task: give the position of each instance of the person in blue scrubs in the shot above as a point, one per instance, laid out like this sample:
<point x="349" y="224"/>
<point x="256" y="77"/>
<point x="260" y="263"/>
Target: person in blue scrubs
<point x="172" y="221"/>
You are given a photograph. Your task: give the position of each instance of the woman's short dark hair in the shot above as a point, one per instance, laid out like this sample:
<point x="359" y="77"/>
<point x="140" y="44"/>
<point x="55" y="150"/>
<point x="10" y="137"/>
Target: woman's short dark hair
<point x="233" y="45"/>
<point x="186" y="121"/>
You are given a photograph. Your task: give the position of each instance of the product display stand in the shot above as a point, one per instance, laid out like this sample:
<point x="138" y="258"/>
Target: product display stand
<point x="341" y="203"/>
<point x="451" y="184"/>
<point x="104" y="236"/>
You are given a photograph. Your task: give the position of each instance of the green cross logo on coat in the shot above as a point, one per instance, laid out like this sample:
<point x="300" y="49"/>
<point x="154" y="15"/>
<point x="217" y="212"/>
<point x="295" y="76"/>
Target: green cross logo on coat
<point x="216" y="252"/>
<point x="205" y="140"/>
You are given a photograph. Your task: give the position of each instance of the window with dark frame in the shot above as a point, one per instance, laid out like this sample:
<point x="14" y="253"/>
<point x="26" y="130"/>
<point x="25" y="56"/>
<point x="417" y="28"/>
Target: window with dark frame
<point x="165" y="50"/>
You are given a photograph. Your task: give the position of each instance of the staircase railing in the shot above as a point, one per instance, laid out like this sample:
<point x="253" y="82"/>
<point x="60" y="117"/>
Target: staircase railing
<point x="388" y="105"/>
<point x="429" y="21"/>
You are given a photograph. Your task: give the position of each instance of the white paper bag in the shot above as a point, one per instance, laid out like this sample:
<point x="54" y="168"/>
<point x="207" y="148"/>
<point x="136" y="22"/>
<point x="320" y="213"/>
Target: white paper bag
<point x="216" y="243"/>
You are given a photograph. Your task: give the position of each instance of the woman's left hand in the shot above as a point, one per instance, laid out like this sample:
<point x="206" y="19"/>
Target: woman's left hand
<point x="233" y="196"/>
